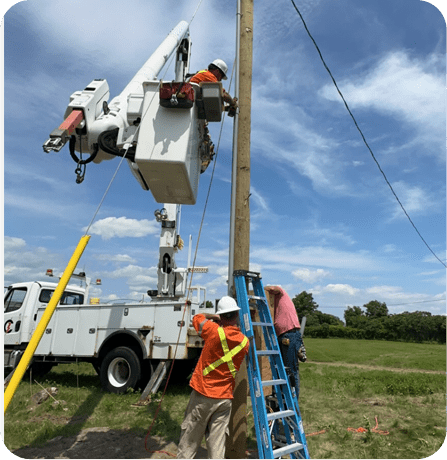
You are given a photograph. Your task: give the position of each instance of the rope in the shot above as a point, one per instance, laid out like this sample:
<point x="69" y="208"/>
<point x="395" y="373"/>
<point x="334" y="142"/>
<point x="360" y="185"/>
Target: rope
<point x="195" y="12"/>
<point x="356" y="430"/>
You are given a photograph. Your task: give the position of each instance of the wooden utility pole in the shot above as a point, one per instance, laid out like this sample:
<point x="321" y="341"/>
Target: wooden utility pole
<point x="240" y="231"/>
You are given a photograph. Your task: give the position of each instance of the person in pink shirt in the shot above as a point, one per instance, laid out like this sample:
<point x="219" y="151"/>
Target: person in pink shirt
<point x="287" y="328"/>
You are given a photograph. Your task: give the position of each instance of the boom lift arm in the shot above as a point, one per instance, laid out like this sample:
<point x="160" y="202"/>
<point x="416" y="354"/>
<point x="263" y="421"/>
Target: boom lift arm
<point x="166" y="148"/>
<point x="111" y="127"/>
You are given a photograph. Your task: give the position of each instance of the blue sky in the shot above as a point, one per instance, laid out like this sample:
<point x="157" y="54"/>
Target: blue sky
<point x="323" y="218"/>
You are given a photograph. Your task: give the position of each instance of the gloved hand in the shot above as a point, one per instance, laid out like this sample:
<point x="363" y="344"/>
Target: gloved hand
<point x="233" y="106"/>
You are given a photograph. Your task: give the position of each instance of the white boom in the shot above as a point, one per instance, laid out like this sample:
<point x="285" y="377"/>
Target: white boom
<point x="166" y="144"/>
<point x="100" y="117"/>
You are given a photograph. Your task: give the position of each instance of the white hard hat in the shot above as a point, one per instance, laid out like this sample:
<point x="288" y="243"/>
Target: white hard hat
<point x="221" y="66"/>
<point x="226" y="305"/>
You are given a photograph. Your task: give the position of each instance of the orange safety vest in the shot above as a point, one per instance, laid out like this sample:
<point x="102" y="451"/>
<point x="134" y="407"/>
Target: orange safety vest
<point x="203" y="75"/>
<point x="221" y="358"/>
<point x="228" y="354"/>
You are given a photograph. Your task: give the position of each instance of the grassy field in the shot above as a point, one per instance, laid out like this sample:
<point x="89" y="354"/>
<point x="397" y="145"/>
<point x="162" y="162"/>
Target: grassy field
<point x="345" y="384"/>
<point x="377" y="353"/>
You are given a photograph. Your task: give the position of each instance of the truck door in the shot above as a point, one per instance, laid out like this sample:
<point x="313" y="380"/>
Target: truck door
<point x="13" y="315"/>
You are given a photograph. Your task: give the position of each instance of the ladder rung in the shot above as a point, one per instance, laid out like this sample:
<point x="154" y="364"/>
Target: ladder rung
<point x="287" y="449"/>
<point x="280" y="414"/>
<point x="266" y="383"/>
<point x="262" y="324"/>
<point x="257" y="297"/>
<point x="267" y="352"/>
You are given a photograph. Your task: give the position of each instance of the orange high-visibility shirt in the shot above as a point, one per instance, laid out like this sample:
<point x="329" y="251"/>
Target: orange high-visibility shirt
<point x="213" y="375"/>
<point x="203" y="75"/>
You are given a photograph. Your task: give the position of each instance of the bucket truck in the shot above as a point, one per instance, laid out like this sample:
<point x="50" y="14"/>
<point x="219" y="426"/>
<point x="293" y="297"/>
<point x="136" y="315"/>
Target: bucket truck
<point x="165" y="140"/>
<point x="161" y="130"/>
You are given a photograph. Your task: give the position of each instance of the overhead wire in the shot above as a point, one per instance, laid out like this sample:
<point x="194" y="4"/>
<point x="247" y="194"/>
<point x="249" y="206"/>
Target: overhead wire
<point x="363" y="137"/>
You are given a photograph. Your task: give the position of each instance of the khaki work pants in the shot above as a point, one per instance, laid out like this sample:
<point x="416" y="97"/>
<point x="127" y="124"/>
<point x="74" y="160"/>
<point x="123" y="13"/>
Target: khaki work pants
<point x="204" y="417"/>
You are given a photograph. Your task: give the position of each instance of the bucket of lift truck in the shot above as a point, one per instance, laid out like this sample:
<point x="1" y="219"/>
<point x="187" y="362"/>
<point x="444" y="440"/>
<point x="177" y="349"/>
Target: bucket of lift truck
<point x="167" y="153"/>
<point x="171" y="141"/>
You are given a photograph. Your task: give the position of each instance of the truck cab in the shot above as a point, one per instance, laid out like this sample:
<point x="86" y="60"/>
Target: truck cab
<point x="21" y="304"/>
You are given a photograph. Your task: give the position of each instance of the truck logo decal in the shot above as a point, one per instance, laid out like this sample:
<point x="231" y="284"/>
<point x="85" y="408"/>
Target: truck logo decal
<point x="8" y="326"/>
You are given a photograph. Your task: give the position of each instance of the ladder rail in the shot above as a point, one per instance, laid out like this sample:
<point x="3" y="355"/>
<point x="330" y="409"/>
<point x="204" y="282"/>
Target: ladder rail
<point x="271" y="443"/>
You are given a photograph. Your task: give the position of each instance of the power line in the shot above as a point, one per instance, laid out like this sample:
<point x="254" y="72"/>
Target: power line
<point x="363" y="137"/>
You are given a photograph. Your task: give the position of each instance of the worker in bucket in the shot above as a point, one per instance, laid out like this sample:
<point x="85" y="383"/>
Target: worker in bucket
<point x="287" y="328"/>
<point x="213" y="380"/>
<point x="216" y="71"/>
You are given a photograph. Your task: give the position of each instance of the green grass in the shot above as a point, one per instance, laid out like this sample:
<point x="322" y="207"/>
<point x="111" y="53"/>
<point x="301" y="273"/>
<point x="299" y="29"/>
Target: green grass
<point x="410" y="405"/>
<point x="377" y="353"/>
<point x="86" y="405"/>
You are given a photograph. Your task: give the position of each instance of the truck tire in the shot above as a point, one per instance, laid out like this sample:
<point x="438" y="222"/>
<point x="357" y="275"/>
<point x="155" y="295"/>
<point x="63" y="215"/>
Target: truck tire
<point x="120" y="370"/>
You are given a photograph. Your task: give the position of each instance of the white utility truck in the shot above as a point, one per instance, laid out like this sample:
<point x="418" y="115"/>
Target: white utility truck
<point x="160" y="128"/>
<point x="124" y="341"/>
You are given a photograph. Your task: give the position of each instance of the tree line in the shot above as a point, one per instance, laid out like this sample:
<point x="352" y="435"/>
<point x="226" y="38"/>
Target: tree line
<point x="372" y="321"/>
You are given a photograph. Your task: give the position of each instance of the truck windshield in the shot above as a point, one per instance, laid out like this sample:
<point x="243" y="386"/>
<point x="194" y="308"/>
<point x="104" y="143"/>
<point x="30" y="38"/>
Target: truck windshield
<point x="14" y="299"/>
<point x="68" y="298"/>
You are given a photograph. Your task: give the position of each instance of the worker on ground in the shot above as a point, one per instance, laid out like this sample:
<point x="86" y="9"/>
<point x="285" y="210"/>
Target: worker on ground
<point x="287" y="328"/>
<point x="213" y="380"/>
<point x="217" y="71"/>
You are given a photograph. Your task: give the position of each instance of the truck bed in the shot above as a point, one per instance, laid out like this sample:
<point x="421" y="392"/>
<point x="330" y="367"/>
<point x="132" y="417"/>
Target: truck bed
<point x="81" y="330"/>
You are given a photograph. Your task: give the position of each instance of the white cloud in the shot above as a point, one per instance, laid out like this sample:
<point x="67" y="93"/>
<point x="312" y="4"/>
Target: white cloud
<point x="12" y="243"/>
<point x="310" y="276"/>
<point x="122" y="227"/>
<point x="396" y="298"/>
<point x="121" y="38"/>
<point x="139" y="278"/>
<point x="115" y="258"/>
<point x="413" y="198"/>
<point x="341" y="289"/>
<point x="412" y="89"/>
<point x="215" y="285"/>
<point x="295" y="144"/>
<point x="26" y="263"/>
<point x="260" y="200"/>
<point x="319" y="256"/>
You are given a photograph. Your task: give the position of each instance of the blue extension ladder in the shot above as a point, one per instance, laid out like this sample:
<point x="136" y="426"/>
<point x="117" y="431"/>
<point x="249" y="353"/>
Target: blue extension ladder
<point x="285" y="434"/>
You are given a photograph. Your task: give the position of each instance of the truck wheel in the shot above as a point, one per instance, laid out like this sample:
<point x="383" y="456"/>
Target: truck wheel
<point x="120" y="370"/>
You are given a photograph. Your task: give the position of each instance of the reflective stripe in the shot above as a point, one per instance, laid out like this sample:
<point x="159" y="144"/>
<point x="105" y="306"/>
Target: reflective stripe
<point x="201" y="327"/>
<point x="228" y="354"/>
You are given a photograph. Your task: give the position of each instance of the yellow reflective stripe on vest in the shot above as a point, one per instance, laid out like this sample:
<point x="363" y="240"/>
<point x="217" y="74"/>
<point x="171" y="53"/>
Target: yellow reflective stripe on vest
<point x="228" y="354"/>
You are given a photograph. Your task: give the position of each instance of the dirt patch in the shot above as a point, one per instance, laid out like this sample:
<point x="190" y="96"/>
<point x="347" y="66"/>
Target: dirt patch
<point x="106" y="443"/>
<point x="103" y="443"/>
